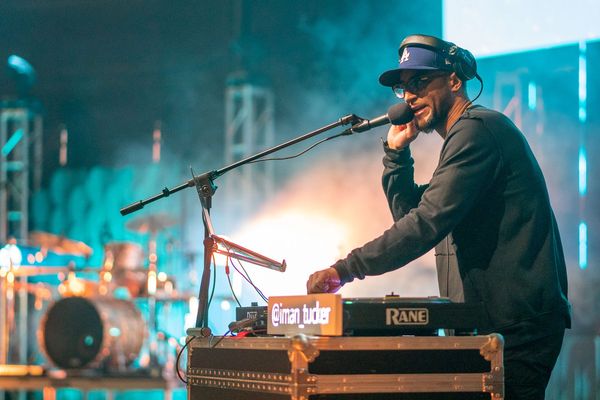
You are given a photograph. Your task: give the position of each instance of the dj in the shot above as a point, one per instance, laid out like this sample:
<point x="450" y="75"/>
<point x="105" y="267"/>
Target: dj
<point x="486" y="211"/>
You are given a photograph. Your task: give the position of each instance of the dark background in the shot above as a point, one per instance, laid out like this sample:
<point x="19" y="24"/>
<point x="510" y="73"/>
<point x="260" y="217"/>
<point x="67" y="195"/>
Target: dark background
<point x="108" y="70"/>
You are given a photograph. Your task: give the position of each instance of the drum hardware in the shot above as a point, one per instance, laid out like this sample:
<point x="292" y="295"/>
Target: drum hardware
<point x="74" y="286"/>
<point x="13" y="298"/>
<point x="124" y="255"/>
<point x="113" y="276"/>
<point x="36" y="271"/>
<point x="20" y="370"/>
<point x="14" y="292"/>
<point x="39" y="290"/>
<point x="151" y="224"/>
<point x="117" y="351"/>
<point x="122" y="266"/>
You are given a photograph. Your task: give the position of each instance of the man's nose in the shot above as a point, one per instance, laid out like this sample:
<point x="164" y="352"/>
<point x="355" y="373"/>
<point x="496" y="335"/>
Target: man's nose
<point x="409" y="96"/>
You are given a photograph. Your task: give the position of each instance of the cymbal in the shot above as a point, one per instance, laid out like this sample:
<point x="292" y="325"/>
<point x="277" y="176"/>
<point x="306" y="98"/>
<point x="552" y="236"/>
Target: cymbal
<point x="151" y="223"/>
<point x="59" y="244"/>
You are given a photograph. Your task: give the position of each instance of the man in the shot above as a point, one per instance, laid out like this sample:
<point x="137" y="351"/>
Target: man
<point x="486" y="210"/>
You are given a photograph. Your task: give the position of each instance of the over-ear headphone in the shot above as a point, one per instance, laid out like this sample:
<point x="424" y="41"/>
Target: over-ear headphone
<point x="463" y="62"/>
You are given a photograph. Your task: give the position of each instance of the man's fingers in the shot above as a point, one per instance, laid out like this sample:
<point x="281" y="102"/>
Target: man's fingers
<point x="312" y="284"/>
<point x="325" y="281"/>
<point x="317" y="283"/>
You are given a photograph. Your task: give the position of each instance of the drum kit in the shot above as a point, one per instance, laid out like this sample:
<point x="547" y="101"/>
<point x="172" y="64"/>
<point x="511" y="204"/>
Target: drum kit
<point x="93" y="323"/>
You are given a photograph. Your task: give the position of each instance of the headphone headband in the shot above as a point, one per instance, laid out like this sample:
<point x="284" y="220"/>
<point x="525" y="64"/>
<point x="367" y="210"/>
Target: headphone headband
<point x="424" y="41"/>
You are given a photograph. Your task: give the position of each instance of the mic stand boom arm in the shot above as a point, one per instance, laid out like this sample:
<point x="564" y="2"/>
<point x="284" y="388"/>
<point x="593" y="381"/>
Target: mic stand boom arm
<point x="205" y="187"/>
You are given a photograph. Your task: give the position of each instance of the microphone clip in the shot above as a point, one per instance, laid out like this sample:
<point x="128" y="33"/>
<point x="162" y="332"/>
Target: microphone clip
<point x="350" y="119"/>
<point x="355" y="122"/>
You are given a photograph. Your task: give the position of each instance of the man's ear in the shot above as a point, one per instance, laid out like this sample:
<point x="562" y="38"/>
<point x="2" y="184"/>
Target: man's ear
<point x="455" y="83"/>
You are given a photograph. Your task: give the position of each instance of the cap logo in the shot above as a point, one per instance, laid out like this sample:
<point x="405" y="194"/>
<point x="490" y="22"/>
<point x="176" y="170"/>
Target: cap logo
<point x="405" y="56"/>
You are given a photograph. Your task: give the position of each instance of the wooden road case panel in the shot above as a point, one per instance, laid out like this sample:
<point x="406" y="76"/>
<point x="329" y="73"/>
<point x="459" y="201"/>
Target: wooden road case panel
<point x="346" y="368"/>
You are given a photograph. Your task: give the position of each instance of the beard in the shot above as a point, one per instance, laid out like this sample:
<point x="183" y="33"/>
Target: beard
<point x="426" y="124"/>
<point x="435" y="118"/>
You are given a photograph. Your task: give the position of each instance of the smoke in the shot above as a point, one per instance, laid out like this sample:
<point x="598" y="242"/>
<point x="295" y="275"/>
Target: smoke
<point x="334" y="205"/>
<point x="351" y="44"/>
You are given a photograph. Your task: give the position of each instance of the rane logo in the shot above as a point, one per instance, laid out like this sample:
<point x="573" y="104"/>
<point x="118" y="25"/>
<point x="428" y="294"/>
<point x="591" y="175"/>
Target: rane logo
<point x="406" y="316"/>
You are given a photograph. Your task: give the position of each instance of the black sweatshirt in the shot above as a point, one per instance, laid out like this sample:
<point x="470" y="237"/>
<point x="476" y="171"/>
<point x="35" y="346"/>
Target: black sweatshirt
<point x="488" y="195"/>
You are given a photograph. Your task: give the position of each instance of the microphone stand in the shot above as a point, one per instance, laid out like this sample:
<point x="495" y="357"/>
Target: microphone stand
<point x="205" y="187"/>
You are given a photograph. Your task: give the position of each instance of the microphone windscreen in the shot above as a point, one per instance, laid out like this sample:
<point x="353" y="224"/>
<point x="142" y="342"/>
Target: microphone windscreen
<point x="400" y="114"/>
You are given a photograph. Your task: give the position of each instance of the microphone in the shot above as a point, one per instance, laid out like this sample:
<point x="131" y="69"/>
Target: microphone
<point x="241" y="324"/>
<point x="397" y="114"/>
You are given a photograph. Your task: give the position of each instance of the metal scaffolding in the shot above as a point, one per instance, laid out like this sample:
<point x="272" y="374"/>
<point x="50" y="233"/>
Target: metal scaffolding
<point x="20" y="144"/>
<point x="249" y="128"/>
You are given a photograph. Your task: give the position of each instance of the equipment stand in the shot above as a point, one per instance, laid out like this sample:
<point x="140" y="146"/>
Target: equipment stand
<point x="205" y="187"/>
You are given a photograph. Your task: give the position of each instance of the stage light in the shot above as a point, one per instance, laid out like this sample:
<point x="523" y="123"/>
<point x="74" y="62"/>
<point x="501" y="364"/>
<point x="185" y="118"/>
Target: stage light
<point x="532" y="95"/>
<point x="225" y="305"/>
<point x="582" y="172"/>
<point x="315" y="240"/>
<point x="10" y="256"/>
<point x="23" y="74"/>
<point x="582" y="82"/>
<point x="583" y="247"/>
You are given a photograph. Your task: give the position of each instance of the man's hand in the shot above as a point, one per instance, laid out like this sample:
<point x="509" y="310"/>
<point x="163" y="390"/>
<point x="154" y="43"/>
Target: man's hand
<point x="400" y="136"/>
<point x="324" y="281"/>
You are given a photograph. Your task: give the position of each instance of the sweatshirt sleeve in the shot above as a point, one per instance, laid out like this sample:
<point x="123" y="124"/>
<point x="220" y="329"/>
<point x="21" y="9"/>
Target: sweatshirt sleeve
<point x="469" y="161"/>
<point x="398" y="182"/>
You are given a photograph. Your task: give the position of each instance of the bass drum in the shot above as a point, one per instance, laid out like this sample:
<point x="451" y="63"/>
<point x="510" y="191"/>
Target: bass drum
<point x="79" y="332"/>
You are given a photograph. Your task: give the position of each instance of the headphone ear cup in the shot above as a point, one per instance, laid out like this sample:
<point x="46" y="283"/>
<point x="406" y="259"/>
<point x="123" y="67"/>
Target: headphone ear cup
<point x="464" y="63"/>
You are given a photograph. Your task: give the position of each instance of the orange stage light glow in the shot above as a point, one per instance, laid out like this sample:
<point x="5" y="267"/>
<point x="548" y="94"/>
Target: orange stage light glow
<point x="311" y="229"/>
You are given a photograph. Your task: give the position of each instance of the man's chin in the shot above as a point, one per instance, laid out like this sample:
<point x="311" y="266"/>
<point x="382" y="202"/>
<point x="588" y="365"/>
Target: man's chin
<point x="424" y="126"/>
